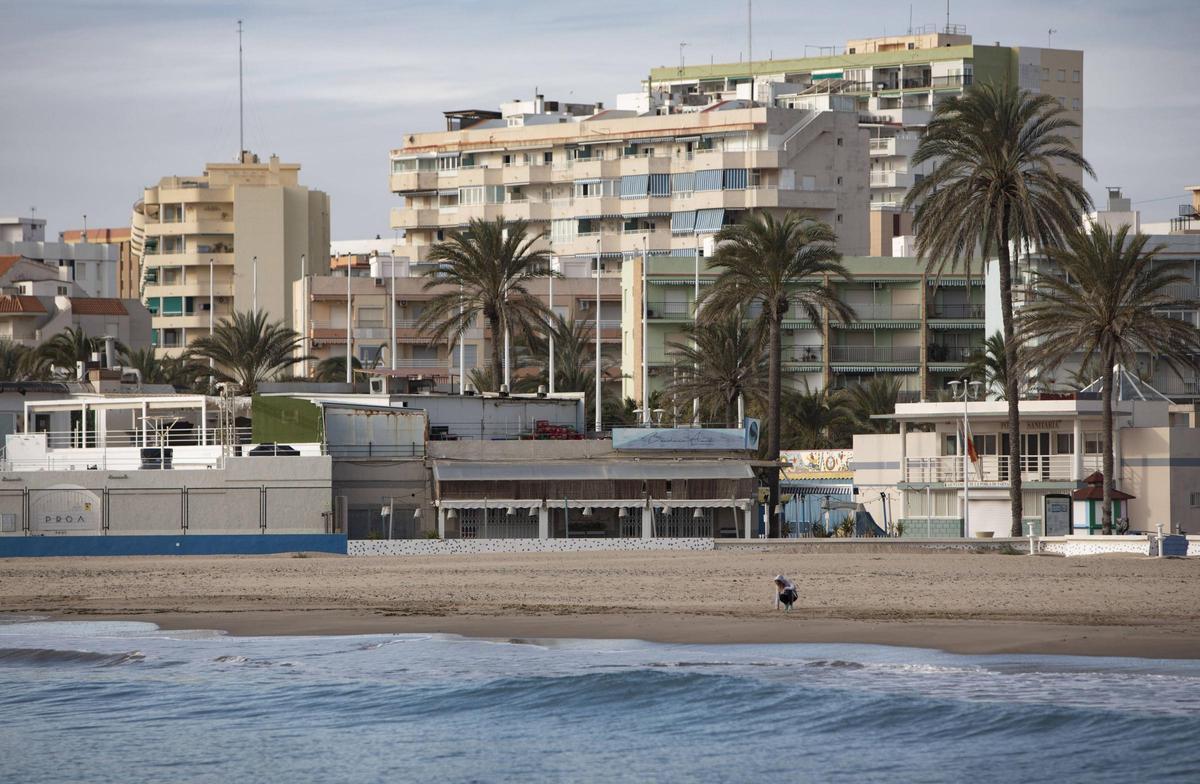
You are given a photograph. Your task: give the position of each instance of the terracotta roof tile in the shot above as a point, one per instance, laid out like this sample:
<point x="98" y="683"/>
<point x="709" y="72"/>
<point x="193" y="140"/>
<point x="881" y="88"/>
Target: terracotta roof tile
<point x="98" y="306"/>
<point x="20" y="303"/>
<point x="7" y="262"/>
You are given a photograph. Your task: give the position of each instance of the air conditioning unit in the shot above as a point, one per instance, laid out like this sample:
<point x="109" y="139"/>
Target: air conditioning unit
<point x="378" y="385"/>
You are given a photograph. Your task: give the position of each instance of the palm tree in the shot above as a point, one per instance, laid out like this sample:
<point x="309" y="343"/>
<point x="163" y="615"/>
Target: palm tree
<point x="878" y="395"/>
<point x="486" y="268"/>
<point x="181" y="372"/>
<point x="13" y="363"/>
<point x="574" y="361"/>
<point x="1106" y="302"/>
<point x="994" y="186"/>
<point x="248" y="350"/>
<point x="724" y="360"/>
<point x="990" y="365"/>
<point x="814" y="419"/>
<point x="333" y="369"/>
<point x="774" y="263"/>
<point x="72" y="345"/>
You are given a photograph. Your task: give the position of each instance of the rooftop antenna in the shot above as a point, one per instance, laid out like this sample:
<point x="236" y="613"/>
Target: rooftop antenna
<point x="241" y="123"/>
<point x="681" y="45"/>
<point x="1049" y="33"/>
<point x="947" y="17"/>
<point x="750" y="45"/>
<point x="910" y="18"/>
<point x="33" y="212"/>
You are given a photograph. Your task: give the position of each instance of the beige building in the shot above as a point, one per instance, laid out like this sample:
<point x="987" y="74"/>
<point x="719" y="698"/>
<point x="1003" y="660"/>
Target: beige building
<point x="893" y="83"/>
<point x="128" y="275"/>
<point x="233" y="238"/>
<point x="320" y="309"/>
<point x="617" y="184"/>
<point x="920" y="470"/>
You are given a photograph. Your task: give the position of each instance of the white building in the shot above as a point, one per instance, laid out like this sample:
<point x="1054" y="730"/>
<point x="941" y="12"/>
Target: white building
<point x="93" y="266"/>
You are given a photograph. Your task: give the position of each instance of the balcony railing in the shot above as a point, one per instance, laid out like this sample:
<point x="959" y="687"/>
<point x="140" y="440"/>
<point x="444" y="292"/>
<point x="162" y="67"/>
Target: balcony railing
<point x="888" y="312"/>
<point x="955" y="354"/>
<point x="875" y="354"/>
<point x="661" y="309"/>
<point x="948" y="469"/>
<point x="802" y="355"/>
<point x="956" y="311"/>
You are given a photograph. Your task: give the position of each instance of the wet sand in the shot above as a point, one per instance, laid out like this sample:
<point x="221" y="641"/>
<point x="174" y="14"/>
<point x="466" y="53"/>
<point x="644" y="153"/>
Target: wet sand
<point x="961" y="602"/>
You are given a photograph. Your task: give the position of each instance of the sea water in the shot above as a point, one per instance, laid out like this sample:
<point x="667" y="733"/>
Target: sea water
<point x="124" y="702"/>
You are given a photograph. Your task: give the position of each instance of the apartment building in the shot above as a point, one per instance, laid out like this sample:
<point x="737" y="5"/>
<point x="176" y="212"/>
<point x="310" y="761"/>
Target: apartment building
<point x="232" y="239"/>
<point x="128" y="275"/>
<point x="616" y="184"/>
<point x="893" y="83"/>
<point x="1179" y="247"/>
<point x="914" y="326"/>
<point x="93" y="264"/>
<point x="323" y="302"/>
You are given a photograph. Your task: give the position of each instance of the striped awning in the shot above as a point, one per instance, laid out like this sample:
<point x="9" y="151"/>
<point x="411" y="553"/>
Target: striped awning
<point x="874" y="368"/>
<point x="709" y="221"/>
<point x="734" y="180"/>
<point x="588" y="181"/>
<point x="950" y="283"/>
<point x="684" y="182"/>
<point x="660" y="185"/>
<point x="956" y="325"/>
<point x="878" y="325"/>
<point x="709" y="180"/>
<point x="683" y="222"/>
<point x="809" y="487"/>
<point x="635" y="186"/>
<point x="677" y="281"/>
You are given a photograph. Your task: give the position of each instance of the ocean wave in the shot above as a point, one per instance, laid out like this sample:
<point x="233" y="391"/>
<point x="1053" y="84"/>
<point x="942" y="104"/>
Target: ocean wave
<point x="53" y="656"/>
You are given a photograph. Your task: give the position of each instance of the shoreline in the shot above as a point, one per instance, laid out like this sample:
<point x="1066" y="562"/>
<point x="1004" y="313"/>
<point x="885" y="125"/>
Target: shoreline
<point x="956" y="636"/>
<point x="957" y="602"/>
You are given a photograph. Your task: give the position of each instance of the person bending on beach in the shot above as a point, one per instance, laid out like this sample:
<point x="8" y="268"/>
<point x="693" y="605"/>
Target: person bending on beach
<point x="785" y="593"/>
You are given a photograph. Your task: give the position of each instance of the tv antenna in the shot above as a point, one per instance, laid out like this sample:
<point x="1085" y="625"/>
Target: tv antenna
<point x="1050" y="34"/>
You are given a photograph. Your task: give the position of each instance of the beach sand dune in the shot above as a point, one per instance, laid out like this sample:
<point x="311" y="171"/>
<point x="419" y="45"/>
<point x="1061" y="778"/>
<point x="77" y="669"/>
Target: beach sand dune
<point x="963" y="602"/>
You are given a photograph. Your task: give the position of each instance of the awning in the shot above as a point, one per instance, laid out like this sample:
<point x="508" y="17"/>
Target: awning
<point x="684" y="182"/>
<point x="709" y="180"/>
<point x="709" y="221"/>
<point x="569" y="470"/>
<point x="734" y="180"/>
<point x="809" y="487"/>
<point x="877" y="324"/>
<point x="956" y="325"/>
<point x="588" y="181"/>
<point x="635" y="186"/>
<point x="683" y="222"/>
<point x="874" y="368"/>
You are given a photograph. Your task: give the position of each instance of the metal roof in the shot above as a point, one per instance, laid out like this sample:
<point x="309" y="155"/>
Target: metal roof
<point x="559" y="470"/>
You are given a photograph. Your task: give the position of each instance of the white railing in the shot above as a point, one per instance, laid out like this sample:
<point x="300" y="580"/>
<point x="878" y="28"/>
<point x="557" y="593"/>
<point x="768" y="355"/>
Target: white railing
<point x="189" y="456"/>
<point x="150" y="437"/>
<point x="994" y="468"/>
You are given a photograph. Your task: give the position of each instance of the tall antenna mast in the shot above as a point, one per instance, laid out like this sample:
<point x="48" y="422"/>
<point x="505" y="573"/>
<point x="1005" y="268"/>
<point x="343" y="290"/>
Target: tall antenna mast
<point x="750" y="45"/>
<point x="947" y="17"/>
<point x="241" y="123"/>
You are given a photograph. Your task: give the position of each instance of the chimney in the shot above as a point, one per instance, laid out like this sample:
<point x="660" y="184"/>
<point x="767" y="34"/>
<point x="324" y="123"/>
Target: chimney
<point x="110" y="351"/>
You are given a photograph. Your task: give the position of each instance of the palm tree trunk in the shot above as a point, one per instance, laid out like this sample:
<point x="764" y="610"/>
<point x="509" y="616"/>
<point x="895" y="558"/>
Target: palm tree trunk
<point x="1107" y="443"/>
<point x="775" y="381"/>
<point x="497" y="359"/>
<point x="1010" y="382"/>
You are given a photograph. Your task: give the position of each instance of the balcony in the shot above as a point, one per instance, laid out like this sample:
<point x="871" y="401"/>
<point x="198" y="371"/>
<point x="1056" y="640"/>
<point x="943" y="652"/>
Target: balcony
<point x="660" y="310"/>
<point x="527" y="210"/>
<point x="956" y="312"/>
<point x="610" y="329"/>
<point x="886" y="312"/>
<point x="889" y="146"/>
<point x="948" y="469"/>
<point x="406" y="218"/>
<point x="803" y="355"/>
<point x="950" y="355"/>
<point x="402" y="182"/>
<point x="875" y="355"/>
<point x="891" y="179"/>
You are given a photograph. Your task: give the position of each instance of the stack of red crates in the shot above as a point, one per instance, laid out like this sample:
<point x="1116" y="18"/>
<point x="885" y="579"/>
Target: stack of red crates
<point x="544" y="431"/>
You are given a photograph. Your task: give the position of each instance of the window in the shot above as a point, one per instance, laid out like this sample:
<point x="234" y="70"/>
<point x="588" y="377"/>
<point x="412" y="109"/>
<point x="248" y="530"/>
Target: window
<point x="1195" y="502"/>
<point x="839" y="141"/>
<point x="839" y="180"/>
<point x="1093" y="443"/>
<point x="985" y="444"/>
<point x="1075" y="76"/>
<point x="62" y="291"/>
<point x="447" y="163"/>
<point x="548" y="157"/>
<point x="1063" y="443"/>
<point x="470" y="196"/>
<point x="370" y="317"/>
<point x="494" y="194"/>
<point x="152" y="305"/>
<point x="1062" y="75"/>
<point x="471" y="355"/>
<point x="1045" y="74"/>
<point x="563" y="230"/>
<point x="369" y="355"/>
<point x="839" y="218"/>
<point x="1075" y="104"/>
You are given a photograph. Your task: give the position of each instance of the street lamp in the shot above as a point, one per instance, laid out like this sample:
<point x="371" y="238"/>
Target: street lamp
<point x="970" y="391"/>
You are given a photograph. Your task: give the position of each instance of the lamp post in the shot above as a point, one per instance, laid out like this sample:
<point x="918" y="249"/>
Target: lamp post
<point x="970" y="391"/>
<point x="349" y="331"/>
<point x="645" y="337"/>
<point x="596" y="326"/>
<point x="305" y="343"/>
<point x="550" y="299"/>
<point x="254" y="284"/>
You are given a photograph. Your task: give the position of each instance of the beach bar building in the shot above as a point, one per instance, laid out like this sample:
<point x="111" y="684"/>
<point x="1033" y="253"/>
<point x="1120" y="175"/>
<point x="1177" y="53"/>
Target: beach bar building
<point x="920" y="470"/>
<point x="590" y="489"/>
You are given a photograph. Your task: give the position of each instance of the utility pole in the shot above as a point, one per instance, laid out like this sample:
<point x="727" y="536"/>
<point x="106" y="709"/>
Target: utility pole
<point x="349" y="330"/>
<point x="596" y="326"/>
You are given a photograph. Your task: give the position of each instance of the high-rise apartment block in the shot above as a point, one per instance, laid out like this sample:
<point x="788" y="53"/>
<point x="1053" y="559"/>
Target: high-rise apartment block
<point x="893" y="84"/>
<point x="617" y="184"/>
<point x="231" y="239"/>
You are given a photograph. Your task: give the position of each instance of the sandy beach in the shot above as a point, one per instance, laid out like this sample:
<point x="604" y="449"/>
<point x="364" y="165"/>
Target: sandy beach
<point x="968" y="603"/>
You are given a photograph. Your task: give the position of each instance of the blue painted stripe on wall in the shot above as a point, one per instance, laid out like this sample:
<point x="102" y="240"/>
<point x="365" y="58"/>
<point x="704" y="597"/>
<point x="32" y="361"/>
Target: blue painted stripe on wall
<point x="192" y="544"/>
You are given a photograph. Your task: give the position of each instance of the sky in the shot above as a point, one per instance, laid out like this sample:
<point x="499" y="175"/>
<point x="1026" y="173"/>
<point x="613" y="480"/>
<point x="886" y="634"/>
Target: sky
<point x="101" y="98"/>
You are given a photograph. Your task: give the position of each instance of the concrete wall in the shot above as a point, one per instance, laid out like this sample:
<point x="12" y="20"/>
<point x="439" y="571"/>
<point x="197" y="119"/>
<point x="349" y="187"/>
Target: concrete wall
<point x="1161" y="467"/>
<point x="291" y="494"/>
<point x="476" y="546"/>
<point x="190" y="544"/>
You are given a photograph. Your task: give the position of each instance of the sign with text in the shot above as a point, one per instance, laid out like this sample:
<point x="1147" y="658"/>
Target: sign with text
<point x="64" y="508"/>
